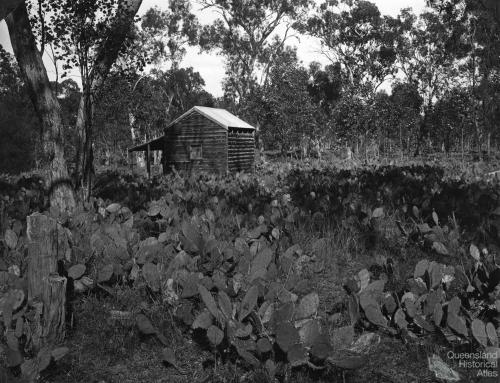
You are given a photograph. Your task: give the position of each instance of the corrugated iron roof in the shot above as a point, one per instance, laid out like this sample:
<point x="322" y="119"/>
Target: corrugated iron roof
<point x="220" y="116"/>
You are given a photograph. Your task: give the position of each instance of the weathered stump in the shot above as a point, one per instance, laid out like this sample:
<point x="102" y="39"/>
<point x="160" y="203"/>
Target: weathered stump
<point x="46" y="289"/>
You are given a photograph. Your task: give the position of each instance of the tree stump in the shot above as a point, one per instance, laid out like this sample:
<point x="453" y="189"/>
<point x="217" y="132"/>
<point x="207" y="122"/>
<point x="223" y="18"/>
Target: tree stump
<point x="46" y="244"/>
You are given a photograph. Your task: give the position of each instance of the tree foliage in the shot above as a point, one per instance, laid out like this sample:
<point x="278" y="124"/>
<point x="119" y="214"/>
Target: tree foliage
<point x="325" y="85"/>
<point x="245" y="34"/>
<point x="161" y="37"/>
<point x="286" y="112"/>
<point x="356" y="35"/>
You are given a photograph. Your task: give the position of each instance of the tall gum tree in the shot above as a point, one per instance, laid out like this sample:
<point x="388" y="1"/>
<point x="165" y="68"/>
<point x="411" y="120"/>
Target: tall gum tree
<point x="355" y="35"/>
<point x="426" y="60"/>
<point x="89" y="35"/>
<point x="94" y="70"/>
<point x="245" y="34"/>
<point x="476" y="24"/>
<point x="161" y="39"/>
<point x="46" y="105"/>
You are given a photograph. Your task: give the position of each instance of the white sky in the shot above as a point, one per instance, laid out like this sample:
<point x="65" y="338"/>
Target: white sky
<point x="211" y="66"/>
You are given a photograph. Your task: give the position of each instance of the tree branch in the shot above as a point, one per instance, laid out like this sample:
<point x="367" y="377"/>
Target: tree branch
<point x="42" y="23"/>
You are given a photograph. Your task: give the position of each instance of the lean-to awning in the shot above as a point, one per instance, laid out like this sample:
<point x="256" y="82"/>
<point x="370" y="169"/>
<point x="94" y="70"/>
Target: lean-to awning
<point x="155" y="144"/>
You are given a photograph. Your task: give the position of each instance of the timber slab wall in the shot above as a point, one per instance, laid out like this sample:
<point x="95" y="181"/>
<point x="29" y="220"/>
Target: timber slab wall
<point x="192" y="132"/>
<point x="196" y="143"/>
<point x="241" y="150"/>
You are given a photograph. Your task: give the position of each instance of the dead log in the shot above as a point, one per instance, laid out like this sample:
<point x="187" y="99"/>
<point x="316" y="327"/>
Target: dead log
<point x="46" y="245"/>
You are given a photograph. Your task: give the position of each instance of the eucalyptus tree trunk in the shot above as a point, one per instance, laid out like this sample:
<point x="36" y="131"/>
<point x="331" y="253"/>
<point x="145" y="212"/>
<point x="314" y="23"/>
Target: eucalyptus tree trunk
<point x="422" y="130"/>
<point x="105" y="57"/>
<point x="47" y="108"/>
<point x="8" y="6"/>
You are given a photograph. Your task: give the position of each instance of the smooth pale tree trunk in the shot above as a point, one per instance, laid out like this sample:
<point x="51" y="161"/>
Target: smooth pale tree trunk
<point x="47" y="108"/>
<point x="488" y="143"/>
<point x="136" y="158"/>
<point x="106" y="56"/>
<point x="421" y="132"/>
<point x="401" y="141"/>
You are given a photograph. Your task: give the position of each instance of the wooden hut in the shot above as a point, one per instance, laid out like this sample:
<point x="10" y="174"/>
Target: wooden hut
<point x="205" y="139"/>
